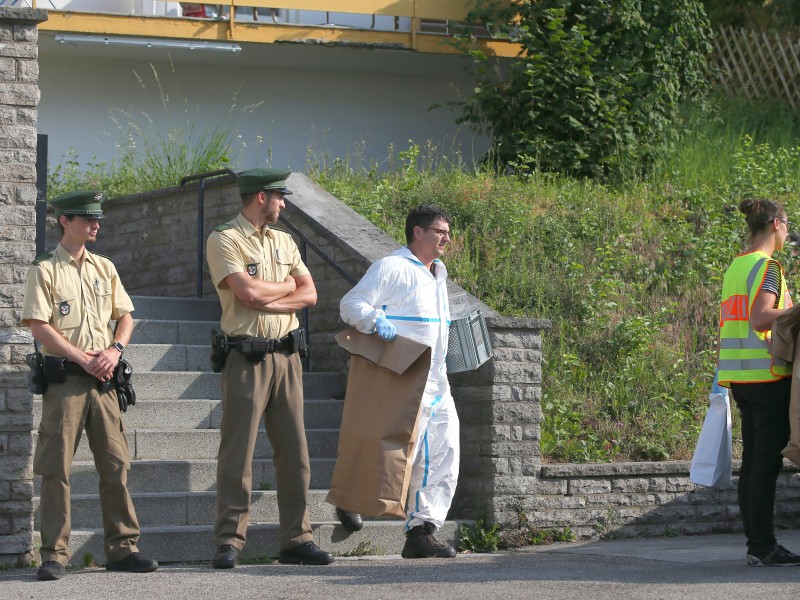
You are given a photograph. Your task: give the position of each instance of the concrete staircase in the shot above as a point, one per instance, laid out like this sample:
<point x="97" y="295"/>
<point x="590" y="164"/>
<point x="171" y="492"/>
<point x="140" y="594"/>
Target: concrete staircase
<point x="173" y="436"/>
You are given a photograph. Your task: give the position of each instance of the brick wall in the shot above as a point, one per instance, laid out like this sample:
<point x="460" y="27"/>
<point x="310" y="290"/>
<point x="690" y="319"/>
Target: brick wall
<point x="19" y="97"/>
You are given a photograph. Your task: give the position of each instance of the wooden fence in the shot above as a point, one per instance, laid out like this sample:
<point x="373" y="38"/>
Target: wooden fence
<point x="758" y="64"/>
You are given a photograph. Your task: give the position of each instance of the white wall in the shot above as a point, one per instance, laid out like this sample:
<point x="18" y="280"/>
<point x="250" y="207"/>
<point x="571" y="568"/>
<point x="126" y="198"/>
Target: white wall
<point x="329" y="98"/>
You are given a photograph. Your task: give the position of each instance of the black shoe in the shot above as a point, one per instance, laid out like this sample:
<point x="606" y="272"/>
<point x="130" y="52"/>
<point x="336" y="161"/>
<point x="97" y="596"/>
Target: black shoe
<point x="133" y="563"/>
<point x="305" y="554"/>
<point x="50" y="571"/>
<point x="349" y="520"/>
<point x="779" y="557"/>
<point x="226" y="557"/>
<point x="420" y="543"/>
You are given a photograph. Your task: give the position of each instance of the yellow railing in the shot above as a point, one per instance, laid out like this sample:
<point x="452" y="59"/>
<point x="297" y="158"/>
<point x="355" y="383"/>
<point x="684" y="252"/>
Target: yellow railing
<point x="452" y="10"/>
<point x="421" y="17"/>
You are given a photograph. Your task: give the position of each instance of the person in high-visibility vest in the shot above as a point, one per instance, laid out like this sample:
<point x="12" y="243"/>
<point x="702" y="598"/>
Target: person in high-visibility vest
<point x="754" y="294"/>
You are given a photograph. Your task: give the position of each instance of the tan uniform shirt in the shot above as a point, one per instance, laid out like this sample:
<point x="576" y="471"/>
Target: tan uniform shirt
<point x="77" y="301"/>
<point x="266" y="254"/>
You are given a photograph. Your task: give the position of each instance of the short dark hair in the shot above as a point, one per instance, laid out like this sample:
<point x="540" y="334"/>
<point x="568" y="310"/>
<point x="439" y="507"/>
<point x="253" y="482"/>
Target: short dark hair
<point x="422" y="216"/>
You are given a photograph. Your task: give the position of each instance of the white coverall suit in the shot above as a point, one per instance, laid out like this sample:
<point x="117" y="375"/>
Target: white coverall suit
<point x="415" y="301"/>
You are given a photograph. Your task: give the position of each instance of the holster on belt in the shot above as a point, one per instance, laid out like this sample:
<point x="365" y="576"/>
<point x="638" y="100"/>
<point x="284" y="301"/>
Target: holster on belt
<point x="37" y="382"/>
<point x="255" y="348"/>
<point x="219" y="351"/>
<point x="55" y="369"/>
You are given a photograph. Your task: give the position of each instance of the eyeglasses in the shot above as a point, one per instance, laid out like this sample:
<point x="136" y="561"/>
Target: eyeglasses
<point x="785" y="222"/>
<point x="439" y="232"/>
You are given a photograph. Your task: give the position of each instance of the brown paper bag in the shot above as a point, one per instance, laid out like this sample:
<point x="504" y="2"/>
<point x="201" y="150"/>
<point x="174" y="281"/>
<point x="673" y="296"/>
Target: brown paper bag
<point x="784" y="345"/>
<point x="379" y="423"/>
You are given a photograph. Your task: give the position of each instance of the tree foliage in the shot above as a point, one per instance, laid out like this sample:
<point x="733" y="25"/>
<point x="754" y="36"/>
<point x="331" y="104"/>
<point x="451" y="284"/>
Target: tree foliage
<point x="596" y="84"/>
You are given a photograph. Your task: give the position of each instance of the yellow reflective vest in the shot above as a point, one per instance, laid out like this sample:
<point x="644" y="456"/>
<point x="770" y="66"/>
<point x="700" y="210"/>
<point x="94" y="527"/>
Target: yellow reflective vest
<point x="744" y="353"/>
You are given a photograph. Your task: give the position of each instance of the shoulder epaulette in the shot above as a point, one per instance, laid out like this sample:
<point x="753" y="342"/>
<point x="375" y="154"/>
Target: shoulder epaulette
<point x="41" y="258"/>
<point x="223" y="227"/>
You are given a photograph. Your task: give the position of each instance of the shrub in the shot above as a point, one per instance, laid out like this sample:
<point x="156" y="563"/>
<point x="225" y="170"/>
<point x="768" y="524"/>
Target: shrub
<point x="596" y="85"/>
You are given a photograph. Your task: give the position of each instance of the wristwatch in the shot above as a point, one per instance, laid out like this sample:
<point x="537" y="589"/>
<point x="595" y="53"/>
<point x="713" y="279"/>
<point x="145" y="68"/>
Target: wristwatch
<point x="118" y="346"/>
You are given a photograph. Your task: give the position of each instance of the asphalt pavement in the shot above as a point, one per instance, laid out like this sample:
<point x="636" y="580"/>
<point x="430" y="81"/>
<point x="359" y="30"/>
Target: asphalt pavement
<point x="707" y="567"/>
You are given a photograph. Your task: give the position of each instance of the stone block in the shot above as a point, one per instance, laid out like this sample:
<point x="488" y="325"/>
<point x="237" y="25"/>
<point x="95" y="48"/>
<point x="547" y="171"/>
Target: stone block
<point x="513" y="372"/>
<point x="16" y="544"/>
<point x="15" y="421"/>
<point x="17" y="136"/>
<point x="14" y="468"/>
<point x="589" y="486"/>
<point x="679" y="484"/>
<point x="27" y="116"/>
<point x="21" y="490"/>
<point x="5" y="491"/>
<point x="28" y="71"/>
<point x="514" y="339"/>
<point x="630" y="485"/>
<point x="8" y="69"/>
<point x="26" y="33"/>
<point x="20" y="445"/>
<point x="551" y="487"/>
<point x="522" y="355"/>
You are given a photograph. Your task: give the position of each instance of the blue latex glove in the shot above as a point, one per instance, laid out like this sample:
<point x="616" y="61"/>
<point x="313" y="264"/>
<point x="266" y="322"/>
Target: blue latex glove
<point x="386" y="331"/>
<point x="716" y="388"/>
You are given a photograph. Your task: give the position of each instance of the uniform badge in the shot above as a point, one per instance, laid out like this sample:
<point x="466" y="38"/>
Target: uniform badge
<point x="252" y="269"/>
<point x="63" y="308"/>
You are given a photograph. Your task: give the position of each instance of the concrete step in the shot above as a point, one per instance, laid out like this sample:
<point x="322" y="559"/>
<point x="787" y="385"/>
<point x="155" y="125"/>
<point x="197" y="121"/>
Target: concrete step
<point x="168" y="357"/>
<point x="149" y="331"/>
<point x="185" y="475"/>
<point x="171" y="444"/>
<point x="206" y="414"/>
<point x="187" y="508"/>
<point x="192" y="543"/>
<point x="192" y="384"/>
<point x="172" y="309"/>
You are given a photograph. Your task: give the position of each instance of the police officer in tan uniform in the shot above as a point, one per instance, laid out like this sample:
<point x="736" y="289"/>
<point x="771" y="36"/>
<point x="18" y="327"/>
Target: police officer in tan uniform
<point x="261" y="282"/>
<point x="71" y="296"/>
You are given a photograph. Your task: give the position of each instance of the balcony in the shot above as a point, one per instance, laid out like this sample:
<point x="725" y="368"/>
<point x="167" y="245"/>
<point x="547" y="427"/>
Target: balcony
<point x="418" y="25"/>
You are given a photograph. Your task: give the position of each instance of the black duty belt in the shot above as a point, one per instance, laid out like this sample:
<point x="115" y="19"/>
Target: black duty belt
<point x="248" y="344"/>
<point x="72" y="368"/>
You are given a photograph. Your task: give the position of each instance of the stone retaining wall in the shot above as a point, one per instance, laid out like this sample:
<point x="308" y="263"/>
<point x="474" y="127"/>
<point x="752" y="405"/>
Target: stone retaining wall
<point x="19" y="97"/>
<point x="644" y="499"/>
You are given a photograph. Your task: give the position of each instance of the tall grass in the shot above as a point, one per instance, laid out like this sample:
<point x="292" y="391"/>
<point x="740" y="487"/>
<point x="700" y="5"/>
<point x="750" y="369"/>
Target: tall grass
<point x="629" y="276"/>
<point x="157" y="146"/>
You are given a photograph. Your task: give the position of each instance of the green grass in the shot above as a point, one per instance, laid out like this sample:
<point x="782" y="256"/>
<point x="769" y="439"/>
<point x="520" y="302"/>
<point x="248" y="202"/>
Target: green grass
<point x="629" y="275"/>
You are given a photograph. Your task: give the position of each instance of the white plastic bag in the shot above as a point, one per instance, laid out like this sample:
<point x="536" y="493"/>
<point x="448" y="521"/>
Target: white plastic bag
<point x="711" y="463"/>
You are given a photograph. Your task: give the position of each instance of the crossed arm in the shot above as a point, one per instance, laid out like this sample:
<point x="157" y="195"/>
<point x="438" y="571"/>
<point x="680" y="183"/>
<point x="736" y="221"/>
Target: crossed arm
<point x="290" y="295"/>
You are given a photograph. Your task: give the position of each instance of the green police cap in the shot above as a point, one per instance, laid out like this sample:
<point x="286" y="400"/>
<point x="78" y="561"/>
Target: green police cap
<point x="82" y="202"/>
<point x="255" y="180"/>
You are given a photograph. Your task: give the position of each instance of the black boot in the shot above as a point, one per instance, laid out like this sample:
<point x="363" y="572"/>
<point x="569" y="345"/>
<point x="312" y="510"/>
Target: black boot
<point x="349" y="520"/>
<point x="420" y="543"/>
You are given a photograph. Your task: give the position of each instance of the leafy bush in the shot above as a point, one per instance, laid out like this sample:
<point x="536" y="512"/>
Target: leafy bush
<point x="596" y="85"/>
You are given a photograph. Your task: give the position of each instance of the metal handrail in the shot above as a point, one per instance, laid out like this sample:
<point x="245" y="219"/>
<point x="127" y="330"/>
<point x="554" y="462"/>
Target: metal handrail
<point x="201" y="217"/>
<point x="307" y="242"/>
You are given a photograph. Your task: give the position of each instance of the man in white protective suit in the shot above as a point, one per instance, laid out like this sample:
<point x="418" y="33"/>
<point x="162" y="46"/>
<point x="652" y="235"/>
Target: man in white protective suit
<point x="405" y="294"/>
